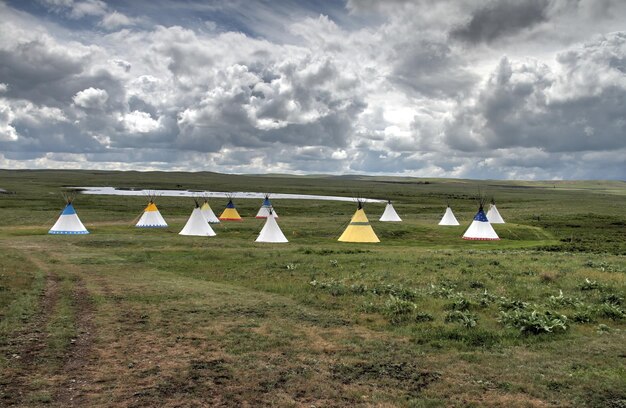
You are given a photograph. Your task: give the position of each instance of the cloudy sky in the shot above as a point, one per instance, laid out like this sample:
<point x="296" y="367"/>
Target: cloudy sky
<point x="507" y="89"/>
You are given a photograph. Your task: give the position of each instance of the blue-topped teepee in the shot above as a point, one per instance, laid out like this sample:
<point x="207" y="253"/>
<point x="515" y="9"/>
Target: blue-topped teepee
<point x="68" y="222"/>
<point x="266" y="209"/>
<point x="480" y="229"/>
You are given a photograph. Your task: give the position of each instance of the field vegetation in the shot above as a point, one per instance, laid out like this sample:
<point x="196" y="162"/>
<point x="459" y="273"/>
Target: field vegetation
<point x="133" y="317"/>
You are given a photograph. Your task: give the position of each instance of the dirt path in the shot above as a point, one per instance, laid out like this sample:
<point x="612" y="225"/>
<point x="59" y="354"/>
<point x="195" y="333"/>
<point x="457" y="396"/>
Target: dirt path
<point x="27" y="348"/>
<point x="74" y="376"/>
<point x="32" y="369"/>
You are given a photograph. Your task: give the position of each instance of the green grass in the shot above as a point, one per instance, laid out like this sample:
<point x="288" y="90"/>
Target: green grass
<point x="422" y="319"/>
<point x="21" y="284"/>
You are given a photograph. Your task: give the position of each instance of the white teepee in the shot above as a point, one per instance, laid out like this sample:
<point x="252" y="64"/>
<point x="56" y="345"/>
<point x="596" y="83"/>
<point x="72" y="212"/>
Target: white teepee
<point x="390" y="214"/>
<point x="448" y="218"/>
<point x="151" y="217"/>
<point x="480" y="229"/>
<point x="493" y="215"/>
<point x="271" y="231"/>
<point x="197" y="225"/>
<point x="266" y="208"/>
<point x="208" y="213"/>
<point x="68" y="222"/>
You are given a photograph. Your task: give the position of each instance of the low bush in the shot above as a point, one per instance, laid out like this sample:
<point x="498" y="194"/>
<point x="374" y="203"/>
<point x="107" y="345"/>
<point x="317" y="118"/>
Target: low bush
<point x="463" y="318"/>
<point x="459" y="302"/>
<point x="611" y="311"/>
<point x="398" y="310"/>
<point x="533" y="322"/>
<point x="423" y="317"/>
<point x="505" y="304"/>
<point x="561" y="300"/>
<point x="589" y="285"/>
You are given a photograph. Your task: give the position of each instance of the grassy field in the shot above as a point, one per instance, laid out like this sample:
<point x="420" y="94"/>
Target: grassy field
<point x="130" y="317"/>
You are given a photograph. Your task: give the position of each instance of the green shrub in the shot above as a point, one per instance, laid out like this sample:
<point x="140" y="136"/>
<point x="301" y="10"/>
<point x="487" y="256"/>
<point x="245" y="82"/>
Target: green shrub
<point x="358" y="288"/>
<point x="335" y="288"/>
<point x="423" y="317"/>
<point x="339" y="288"/>
<point x="486" y="298"/>
<point x="370" y="307"/>
<point x="505" y="304"/>
<point x="589" y="285"/>
<point x="463" y="318"/>
<point x="584" y="316"/>
<point x="533" y="322"/>
<point x="564" y="300"/>
<point x="398" y="291"/>
<point x="611" y="311"/>
<point x="612" y="298"/>
<point x="442" y="291"/>
<point x="398" y="310"/>
<point x="476" y="285"/>
<point x="603" y="266"/>
<point x="603" y="328"/>
<point x="459" y="303"/>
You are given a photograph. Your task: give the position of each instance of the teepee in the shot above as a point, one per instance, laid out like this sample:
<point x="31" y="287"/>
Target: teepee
<point x="230" y="212"/>
<point x="480" y="229"/>
<point x="359" y="229"/>
<point x="197" y="224"/>
<point x="68" y="222"/>
<point x="271" y="231"/>
<point x="390" y="214"/>
<point x="151" y="217"/>
<point x="266" y="208"/>
<point x="493" y="215"/>
<point x="208" y="213"/>
<point x="448" y="218"/>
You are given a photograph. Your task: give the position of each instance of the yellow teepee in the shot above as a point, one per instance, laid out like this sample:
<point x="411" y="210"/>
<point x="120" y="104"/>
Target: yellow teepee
<point x="230" y="212"/>
<point x="359" y="229"/>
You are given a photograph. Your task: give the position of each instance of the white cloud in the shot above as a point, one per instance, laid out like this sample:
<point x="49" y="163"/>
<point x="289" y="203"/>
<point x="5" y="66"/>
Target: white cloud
<point x="7" y="131"/>
<point x="77" y="9"/>
<point x="91" y="98"/>
<point x="125" y="65"/>
<point x="140" y="122"/>
<point x="84" y="8"/>
<point x="381" y="88"/>
<point x="115" y="20"/>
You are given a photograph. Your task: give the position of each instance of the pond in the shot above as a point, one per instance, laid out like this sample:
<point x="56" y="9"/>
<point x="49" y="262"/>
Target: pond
<point x="215" y="194"/>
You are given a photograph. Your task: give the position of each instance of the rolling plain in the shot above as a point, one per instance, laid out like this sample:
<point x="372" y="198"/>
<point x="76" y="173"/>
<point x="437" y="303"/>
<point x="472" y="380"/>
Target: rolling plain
<point x="144" y="317"/>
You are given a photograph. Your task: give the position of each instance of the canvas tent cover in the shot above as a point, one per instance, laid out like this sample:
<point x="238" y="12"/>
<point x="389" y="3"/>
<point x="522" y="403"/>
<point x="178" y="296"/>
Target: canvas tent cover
<point x="68" y="222"/>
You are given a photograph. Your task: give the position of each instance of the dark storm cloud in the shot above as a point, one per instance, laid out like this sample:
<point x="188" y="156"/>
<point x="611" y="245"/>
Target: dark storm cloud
<point x="46" y="74"/>
<point x="50" y="137"/>
<point x="430" y="68"/>
<point x="382" y="161"/>
<point x="32" y="66"/>
<point x="500" y="19"/>
<point x="145" y="155"/>
<point x="332" y="130"/>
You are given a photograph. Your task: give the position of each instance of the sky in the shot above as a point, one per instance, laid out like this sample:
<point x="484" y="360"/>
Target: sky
<point x="501" y="89"/>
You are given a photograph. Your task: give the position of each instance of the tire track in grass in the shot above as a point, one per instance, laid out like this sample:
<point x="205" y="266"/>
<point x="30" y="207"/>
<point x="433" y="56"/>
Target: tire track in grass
<point x="52" y="351"/>
<point x="28" y="346"/>
<point x="75" y="378"/>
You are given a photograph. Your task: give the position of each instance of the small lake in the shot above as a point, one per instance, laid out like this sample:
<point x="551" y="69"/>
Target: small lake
<point x="216" y="194"/>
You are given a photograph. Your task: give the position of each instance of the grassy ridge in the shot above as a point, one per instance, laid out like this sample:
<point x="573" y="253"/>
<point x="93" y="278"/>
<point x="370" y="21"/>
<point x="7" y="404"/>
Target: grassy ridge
<point x="421" y="319"/>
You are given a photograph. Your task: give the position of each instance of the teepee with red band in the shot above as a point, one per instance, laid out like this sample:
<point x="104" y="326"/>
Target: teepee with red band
<point x="480" y="229"/>
<point x="230" y="213"/>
